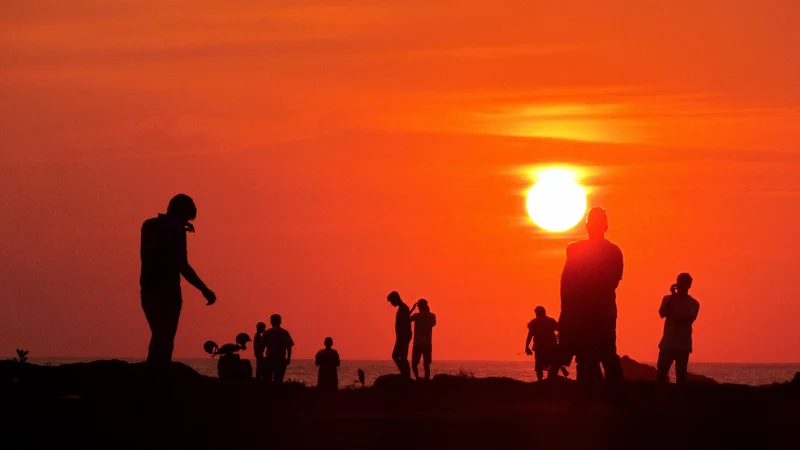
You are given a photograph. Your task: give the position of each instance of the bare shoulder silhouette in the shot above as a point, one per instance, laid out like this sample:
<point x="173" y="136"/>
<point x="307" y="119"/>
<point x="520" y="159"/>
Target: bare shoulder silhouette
<point x="588" y="321"/>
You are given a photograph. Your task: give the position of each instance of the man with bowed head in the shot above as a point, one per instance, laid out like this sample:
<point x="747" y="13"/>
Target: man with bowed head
<point x="402" y="331"/>
<point x="164" y="261"/>
<point x="588" y="322"/>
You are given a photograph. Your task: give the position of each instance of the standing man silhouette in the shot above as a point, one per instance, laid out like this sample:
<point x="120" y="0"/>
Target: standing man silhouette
<point x="588" y="322"/>
<point x="278" y="343"/>
<point x="424" y="321"/>
<point x="679" y="309"/>
<point x="542" y="330"/>
<point x="164" y="260"/>
<point x="402" y="331"/>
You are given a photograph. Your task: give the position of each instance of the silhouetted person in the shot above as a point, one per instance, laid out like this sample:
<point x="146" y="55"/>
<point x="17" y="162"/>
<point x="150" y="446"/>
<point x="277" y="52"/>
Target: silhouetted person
<point x="164" y="260"/>
<point x="588" y="322"/>
<point x="258" y="350"/>
<point x="279" y="345"/>
<point x="424" y="321"/>
<point x="328" y="362"/>
<point x="402" y="331"/>
<point x="542" y="330"/>
<point x="679" y="309"/>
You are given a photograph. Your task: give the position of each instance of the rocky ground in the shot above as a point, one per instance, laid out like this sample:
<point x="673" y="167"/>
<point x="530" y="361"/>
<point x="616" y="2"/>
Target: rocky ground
<point x="112" y="404"/>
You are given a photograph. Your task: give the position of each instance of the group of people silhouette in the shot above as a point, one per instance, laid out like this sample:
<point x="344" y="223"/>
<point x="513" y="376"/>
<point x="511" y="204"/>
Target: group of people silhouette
<point x="424" y="321"/>
<point x="585" y="330"/>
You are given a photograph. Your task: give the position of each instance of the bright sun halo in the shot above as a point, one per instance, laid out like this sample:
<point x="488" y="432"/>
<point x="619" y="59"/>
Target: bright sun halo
<point x="556" y="202"/>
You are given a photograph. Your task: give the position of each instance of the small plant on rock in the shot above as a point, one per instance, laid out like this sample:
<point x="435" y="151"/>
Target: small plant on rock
<point x="22" y="356"/>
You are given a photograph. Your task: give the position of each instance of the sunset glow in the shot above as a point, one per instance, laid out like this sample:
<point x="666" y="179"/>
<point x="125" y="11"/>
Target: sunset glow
<point x="556" y="202"/>
<point x="341" y="150"/>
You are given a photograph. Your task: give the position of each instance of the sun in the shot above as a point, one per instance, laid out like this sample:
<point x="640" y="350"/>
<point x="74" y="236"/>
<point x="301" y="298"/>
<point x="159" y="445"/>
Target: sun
<point x="556" y="202"/>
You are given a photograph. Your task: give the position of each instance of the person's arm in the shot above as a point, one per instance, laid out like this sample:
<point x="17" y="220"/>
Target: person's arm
<point x="567" y="282"/>
<point x="413" y="317"/>
<point x="289" y="348"/>
<point x="528" y="341"/>
<point x="434" y="320"/>
<point x="336" y="359"/>
<point x="663" y="310"/>
<point x="618" y="268"/>
<point x="316" y="359"/>
<point x="191" y="276"/>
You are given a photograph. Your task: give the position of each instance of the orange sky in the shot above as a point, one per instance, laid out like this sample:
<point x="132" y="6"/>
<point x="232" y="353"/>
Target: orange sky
<point x="340" y="150"/>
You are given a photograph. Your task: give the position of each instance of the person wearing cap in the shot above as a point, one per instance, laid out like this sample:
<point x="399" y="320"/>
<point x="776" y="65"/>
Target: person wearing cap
<point x="542" y="330"/>
<point x="278" y="343"/>
<point x="588" y="321"/>
<point x="424" y="321"/>
<point x="164" y="261"/>
<point x="679" y="309"/>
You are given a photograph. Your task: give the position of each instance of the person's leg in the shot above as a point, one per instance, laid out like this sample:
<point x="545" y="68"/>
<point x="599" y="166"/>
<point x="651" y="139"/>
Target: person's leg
<point x="612" y="365"/>
<point x="151" y="313"/>
<point x="608" y="354"/>
<point x="400" y="356"/>
<point x="173" y="316"/>
<point x="269" y="370"/>
<point x="426" y="360"/>
<point x="663" y="365"/>
<point x="586" y="363"/>
<point x="539" y="374"/>
<point x="396" y="355"/>
<point x="162" y="313"/>
<point x="280" y="372"/>
<point x="405" y="367"/>
<point x="416" y="353"/>
<point x="681" y="367"/>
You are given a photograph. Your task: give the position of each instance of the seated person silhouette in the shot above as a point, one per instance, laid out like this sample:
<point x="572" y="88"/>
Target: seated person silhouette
<point x="278" y="343"/>
<point x="679" y="309"/>
<point x="424" y="321"/>
<point x="542" y="330"/>
<point x="328" y="362"/>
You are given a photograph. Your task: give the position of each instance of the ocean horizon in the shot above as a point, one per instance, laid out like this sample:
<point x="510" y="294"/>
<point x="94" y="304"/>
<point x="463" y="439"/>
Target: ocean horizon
<point x="304" y="370"/>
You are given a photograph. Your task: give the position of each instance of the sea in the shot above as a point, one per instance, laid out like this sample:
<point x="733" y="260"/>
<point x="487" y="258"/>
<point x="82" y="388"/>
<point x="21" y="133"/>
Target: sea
<point x="305" y="372"/>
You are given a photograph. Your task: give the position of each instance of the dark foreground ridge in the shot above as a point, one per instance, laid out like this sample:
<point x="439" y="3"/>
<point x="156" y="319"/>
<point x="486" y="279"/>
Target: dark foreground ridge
<point x="113" y="404"/>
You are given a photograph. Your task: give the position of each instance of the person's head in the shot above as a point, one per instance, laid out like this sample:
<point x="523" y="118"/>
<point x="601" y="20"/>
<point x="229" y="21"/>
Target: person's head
<point x="684" y="283"/>
<point x="422" y="304"/>
<point x="394" y="298"/>
<point x="328" y="342"/>
<point x="261" y="327"/>
<point x="182" y="206"/>
<point x="275" y="320"/>
<point x="540" y="311"/>
<point x="242" y="339"/>
<point x="596" y="222"/>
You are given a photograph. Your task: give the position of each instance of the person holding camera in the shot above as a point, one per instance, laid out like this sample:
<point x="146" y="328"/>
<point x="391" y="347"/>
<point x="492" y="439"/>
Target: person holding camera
<point x="679" y="309"/>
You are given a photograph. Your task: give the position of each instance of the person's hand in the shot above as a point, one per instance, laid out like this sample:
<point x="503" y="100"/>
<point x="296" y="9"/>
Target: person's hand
<point x="673" y="289"/>
<point x="210" y="297"/>
<point x="288" y="361"/>
<point x="189" y="227"/>
<point x="528" y="351"/>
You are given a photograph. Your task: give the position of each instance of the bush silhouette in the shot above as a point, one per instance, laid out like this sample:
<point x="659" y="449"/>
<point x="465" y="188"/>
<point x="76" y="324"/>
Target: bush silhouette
<point x="22" y="356"/>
